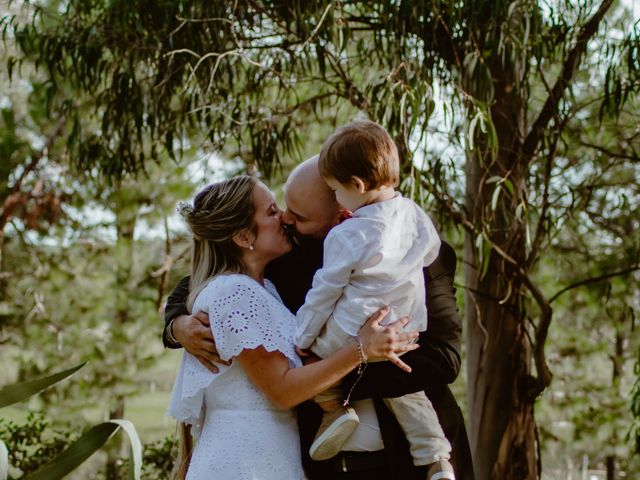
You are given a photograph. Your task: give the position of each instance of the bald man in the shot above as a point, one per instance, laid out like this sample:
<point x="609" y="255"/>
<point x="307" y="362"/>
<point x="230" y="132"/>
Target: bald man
<point x="377" y="449"/>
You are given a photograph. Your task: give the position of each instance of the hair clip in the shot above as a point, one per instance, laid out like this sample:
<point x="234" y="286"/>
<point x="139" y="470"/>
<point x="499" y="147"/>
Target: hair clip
<point x="185" y="209"/>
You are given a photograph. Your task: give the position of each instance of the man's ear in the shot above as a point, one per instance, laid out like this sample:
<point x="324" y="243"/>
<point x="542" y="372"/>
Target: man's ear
<point x="359" y="184"/>
<point x="243" y="239"/>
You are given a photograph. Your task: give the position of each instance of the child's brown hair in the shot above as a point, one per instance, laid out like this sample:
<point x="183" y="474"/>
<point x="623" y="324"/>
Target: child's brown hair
<point x="361" y="149"/>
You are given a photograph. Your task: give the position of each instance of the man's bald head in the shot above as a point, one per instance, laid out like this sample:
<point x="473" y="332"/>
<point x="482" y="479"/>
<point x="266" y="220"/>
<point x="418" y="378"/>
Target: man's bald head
<point x="306" y="177"/>
<point x="311" y="205"/>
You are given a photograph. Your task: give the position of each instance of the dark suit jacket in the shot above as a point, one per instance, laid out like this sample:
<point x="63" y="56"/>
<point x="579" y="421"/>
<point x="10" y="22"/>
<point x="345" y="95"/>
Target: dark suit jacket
<point x="435" y="364"/>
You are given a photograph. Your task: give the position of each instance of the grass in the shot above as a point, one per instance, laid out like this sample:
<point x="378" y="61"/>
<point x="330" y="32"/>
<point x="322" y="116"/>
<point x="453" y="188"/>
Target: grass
<point x="147" y="412"/>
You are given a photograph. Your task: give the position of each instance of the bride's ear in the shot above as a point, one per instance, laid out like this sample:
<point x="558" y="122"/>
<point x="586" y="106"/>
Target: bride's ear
<point x="244" y="239"/>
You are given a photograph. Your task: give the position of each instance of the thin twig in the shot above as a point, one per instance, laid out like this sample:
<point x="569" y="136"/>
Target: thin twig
<point x="633" y="158"/>
<point x="544" y="374"/>
<point x="315" y="30"/>
<point x="597" y="279"/>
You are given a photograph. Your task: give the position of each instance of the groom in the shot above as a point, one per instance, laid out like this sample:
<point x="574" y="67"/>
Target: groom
<point x="377" y="449"/>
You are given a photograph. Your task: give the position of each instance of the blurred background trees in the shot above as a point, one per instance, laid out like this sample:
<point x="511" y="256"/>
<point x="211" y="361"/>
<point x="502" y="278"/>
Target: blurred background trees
<point x="518" y="126"/>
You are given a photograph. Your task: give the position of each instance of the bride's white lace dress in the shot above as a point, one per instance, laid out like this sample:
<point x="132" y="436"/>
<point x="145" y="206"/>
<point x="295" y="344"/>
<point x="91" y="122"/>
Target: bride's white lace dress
<point x="239" y="433"/>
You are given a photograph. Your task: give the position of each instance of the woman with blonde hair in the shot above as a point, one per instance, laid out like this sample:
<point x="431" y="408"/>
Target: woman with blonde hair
<point x="242" y="417"/>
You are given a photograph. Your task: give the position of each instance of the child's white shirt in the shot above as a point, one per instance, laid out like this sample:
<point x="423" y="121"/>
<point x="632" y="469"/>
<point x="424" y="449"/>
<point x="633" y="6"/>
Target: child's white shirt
<point x="373" y="259"/>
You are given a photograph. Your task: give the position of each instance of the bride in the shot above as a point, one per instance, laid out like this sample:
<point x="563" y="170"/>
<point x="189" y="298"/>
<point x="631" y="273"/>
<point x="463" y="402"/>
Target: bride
<point x="242" y="418"/>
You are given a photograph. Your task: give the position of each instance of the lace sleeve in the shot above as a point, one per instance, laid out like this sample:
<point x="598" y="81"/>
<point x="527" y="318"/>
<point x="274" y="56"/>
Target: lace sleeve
<point x="187" y="398"/>
<point x="247" y="317"/>
<point x="242" y="315"/>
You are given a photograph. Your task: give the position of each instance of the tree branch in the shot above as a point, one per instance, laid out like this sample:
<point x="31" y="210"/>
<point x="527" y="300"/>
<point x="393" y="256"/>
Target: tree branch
<point x="633" y="158"/>
<point x="457" y="215"/>
<point x="540" y="228"/>
<point x="569" y="67"/>
<point x="544" y="374"/>
<point x="597" y="279"/>
<point x="4" y="215"/>
<point x="166" y="268"/>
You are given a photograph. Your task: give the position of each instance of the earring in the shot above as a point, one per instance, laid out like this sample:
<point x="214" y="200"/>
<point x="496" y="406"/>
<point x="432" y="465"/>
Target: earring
<point x="250" y="246"/>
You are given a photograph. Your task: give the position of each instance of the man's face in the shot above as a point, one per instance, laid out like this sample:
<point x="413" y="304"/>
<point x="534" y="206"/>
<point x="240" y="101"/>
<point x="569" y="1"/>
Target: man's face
<point x="307" y="214"/>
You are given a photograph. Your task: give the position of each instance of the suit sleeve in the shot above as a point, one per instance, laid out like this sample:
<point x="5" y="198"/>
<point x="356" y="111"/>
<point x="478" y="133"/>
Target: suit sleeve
<point x="437" y="361"/>
<point x="176" y="305"/>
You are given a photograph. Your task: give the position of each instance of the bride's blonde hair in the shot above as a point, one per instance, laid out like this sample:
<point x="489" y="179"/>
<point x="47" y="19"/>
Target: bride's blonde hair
<point x="219" y="212"/>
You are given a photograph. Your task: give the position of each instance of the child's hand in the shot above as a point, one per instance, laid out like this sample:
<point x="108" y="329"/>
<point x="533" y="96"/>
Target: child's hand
<point x="301" y="352"/>
<point x="306" y="356"/>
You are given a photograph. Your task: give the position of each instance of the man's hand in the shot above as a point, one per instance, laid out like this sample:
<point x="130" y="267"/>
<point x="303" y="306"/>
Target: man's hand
<point x="194" y="334"/>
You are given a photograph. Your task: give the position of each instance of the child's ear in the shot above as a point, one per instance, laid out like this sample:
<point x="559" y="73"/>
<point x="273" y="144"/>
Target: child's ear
<point x="359" y="183"/>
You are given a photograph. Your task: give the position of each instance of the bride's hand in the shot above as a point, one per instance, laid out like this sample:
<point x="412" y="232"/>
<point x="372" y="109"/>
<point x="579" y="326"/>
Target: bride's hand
<point x="387" y="342"/>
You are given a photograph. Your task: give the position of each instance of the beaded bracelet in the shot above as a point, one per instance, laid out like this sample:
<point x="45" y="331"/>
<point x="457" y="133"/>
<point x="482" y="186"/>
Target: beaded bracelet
<point x="363" y="357"/>
<point x="361" y="367"/>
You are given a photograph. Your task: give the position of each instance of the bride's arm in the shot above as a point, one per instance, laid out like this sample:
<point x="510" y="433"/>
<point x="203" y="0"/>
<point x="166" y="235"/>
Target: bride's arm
<point x="287" y="387"/>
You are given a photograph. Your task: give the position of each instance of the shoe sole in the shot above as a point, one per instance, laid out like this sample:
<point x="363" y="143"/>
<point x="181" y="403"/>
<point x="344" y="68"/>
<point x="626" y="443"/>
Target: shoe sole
<point x="332" y="439"/>
<point x="442" y="470"/>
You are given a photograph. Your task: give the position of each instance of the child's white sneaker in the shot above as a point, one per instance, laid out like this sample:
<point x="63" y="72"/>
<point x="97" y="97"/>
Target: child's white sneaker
<point x="440" y="470"/>
<point x="336" y="427"/>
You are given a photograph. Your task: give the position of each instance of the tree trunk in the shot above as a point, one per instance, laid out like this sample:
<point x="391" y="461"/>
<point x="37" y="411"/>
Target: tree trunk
<point x="3" y="279"/>
<point x="617" y="360"/>
<point x="502" y="425"/>
<point x="501" y="386"/>
<point x="125" y="224"/>
<point x="611" y="467"/>
<point x="503" y="435"/>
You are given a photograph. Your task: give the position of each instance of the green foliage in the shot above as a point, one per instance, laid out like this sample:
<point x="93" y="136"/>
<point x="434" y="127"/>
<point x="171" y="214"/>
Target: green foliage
<point x="85" y="446"/>
<point x="66" y="311"/>
<point x="18" y="392"/>
<point x="254" y="73"/>
<point x="590" y="274"/>
<point x="159" y="458"/>
<point x="53" y="461"/>
<point x="585" y="411"/>
<point x="538" y="101"/>
<point x="33" y="443"/>
<point x="36" y="442"/>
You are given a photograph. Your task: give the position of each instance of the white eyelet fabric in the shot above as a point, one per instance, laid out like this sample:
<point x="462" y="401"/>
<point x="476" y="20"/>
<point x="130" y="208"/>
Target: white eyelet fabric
<point x="240" y="433"/>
